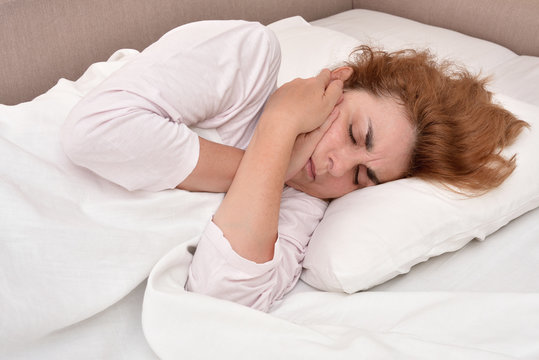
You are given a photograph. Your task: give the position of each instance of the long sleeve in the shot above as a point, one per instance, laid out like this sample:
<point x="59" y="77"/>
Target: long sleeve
<point x="218" y="271"/>
<point x="134" y="128"/>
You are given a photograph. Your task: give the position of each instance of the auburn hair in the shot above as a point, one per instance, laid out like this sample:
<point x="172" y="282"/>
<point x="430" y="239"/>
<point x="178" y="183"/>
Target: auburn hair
<point x="460" y="132"/>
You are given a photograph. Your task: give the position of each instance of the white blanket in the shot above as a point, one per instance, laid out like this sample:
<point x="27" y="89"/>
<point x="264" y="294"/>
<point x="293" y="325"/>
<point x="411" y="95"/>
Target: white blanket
<point x="317" y="325"/>
<point x="72" y="243"/>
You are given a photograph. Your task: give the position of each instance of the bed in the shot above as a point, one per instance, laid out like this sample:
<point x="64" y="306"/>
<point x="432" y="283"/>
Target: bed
<point x="92" y="271"/>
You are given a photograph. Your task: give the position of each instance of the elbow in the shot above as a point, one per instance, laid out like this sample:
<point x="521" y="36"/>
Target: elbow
<point x="74" y="138"/>
<point x="85" y="137"/>
<point x="83" y="141"/>
<point x="93" y="141"/>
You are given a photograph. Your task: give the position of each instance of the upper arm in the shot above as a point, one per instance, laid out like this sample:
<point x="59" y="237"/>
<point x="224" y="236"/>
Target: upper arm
<point x="133" y="128"/>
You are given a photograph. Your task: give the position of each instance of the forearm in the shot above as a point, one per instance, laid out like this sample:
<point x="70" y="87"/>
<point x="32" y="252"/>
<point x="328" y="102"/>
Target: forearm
<point x="248" y="216"/>
<point x="216" y="167"/>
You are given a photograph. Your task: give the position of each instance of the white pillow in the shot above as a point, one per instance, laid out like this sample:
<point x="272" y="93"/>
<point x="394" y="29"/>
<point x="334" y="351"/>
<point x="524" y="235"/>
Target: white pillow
<point x="372" y="235"/>
<point x="394" y="33"/>
<point x="516" y="76"/>
<point x="306" y="49"/>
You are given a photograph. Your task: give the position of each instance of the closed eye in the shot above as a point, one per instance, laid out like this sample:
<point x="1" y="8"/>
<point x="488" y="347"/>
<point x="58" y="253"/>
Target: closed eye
<point x="351" y="134"/>
<point x="372" y="177"/>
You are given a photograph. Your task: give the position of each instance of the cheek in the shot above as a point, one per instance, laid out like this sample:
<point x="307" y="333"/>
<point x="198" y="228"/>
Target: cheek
<point x="336" y="131"/>
<point x="331" y="139"/>
<point x="337" y="187"/>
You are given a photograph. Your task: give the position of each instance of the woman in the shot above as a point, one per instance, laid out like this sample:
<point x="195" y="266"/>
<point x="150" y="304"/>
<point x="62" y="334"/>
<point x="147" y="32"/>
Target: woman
<point x="399" y="115"/>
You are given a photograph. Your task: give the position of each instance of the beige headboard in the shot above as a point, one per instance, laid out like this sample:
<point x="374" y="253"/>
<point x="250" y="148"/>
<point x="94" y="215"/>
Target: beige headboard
<point x="42" y="41"/>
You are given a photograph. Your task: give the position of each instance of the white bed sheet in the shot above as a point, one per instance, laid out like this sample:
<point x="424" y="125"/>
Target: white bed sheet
<point x="485" y="267"/>
<point x="481" y="302"/>
<point x="114" y="333"/>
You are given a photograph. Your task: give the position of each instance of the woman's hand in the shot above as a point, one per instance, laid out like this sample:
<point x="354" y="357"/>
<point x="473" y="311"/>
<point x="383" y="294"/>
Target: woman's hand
<point x="303" y="105"/>
<point x="305" y="145"/>
<point x="249" y="213"/>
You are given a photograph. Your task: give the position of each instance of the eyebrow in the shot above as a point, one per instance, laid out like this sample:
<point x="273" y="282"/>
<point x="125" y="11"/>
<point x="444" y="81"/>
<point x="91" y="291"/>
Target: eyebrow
<point x="369" y="142"/>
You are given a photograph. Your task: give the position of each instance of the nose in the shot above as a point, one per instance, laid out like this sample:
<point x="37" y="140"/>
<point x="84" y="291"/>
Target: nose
<point x="341" y="161"/>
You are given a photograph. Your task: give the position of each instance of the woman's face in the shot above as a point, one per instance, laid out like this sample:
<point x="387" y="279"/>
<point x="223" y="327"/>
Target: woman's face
<point x="369" y="143"/>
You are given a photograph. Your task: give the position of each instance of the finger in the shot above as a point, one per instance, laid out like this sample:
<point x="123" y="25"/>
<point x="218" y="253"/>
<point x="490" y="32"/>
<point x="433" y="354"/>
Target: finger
<point x="334" y="92"/>
<point x="329" y="120"/>
<point x="341" y="98"/>
<point x="317" y="133"/>
<point x="324" y="76"/>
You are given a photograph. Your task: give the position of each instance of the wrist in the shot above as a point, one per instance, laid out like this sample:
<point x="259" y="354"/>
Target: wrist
<point x="277" y="128"/>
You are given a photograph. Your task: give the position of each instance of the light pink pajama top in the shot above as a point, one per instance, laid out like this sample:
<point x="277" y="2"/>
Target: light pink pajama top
<point x="134" y="130"/>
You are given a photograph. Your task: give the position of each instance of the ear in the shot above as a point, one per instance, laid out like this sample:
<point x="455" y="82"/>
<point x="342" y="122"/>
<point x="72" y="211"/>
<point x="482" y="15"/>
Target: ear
<point x="342" y="73"/>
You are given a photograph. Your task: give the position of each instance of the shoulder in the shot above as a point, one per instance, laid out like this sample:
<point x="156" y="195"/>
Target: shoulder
<point x="248" y="42"/>
<point x="230" y="30"/>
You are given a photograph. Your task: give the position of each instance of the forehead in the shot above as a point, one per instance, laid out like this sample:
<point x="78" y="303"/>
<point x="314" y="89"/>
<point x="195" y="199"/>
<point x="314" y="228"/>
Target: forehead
<point x="382" y="105"/>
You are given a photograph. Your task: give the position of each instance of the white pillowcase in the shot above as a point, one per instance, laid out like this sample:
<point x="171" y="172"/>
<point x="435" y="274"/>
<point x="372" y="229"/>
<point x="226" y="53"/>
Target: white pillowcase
<point x="306" y="49"/>
<point x="369" y="236"/>
<point x="394" y="33"/>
